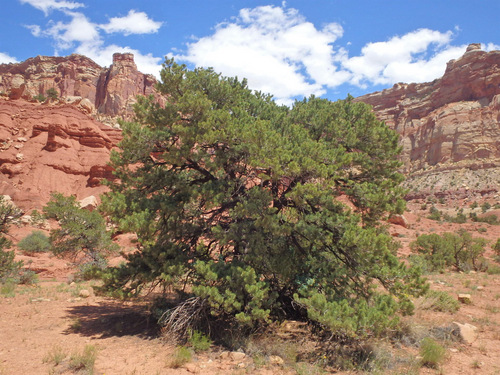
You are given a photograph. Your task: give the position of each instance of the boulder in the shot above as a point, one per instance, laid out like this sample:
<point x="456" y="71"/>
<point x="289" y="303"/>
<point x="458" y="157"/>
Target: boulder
<point x="89" y="203"/>
<point x="398" y="220"/>
<point x="466" y="332"/>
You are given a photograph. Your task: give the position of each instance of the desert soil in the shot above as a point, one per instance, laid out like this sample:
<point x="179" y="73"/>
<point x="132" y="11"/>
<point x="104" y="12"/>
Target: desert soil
<point x="38" y="321"/>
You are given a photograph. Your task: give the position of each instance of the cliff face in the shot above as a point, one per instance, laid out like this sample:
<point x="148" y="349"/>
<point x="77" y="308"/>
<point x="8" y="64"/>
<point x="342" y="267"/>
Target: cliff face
<point x="452" y="123"/>
<point x="51" y="148"/>
<point x="111" y="91"/>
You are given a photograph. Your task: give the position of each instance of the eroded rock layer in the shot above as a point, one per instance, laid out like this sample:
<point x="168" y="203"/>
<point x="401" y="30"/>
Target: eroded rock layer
<point x="108" y="91"/>
<point x="48" y="148"/>
<point x="450" y="124"/>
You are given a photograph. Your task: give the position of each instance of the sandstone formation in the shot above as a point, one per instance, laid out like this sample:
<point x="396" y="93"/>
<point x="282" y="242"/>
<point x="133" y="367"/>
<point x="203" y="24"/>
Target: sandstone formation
<point x="105" y="91"/>
<point x="448" y="127"/>
<point x="48" y="148"/>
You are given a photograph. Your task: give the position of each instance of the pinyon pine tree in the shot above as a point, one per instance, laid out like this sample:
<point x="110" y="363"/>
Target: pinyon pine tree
<point x="241" y="199"/>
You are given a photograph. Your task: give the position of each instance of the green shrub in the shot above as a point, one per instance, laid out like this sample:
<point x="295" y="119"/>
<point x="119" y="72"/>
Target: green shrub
<point x="40" y="97"/>
<point x="432" y="353"/>
<point x="440" y="301"/>
<point x="496" y="247"/>
<point x="9" y="268"/>
<point x="435" y="214"/>
<point x="459" y="219"/>
<point x="493" y="269"/>
<point x="485" y="207"/>
<point x="84" y="362"/>
<point x="91" y="270"/>
<point x="489" y="219"/>
<point x="198" y="341"/>
<point x="473" y="205"/>
<point x="460" y="250"/>
<point x="180" y="357"/>
<point x="36" y="242"/>
<point x="52" y="93"/>
<point x="81" y="232"/>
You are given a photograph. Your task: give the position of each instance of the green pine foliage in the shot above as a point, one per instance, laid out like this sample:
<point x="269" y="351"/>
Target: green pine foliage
<point x="234" y="195"/>
<point x="81" y="234"/>
<point x="11" y="271"/>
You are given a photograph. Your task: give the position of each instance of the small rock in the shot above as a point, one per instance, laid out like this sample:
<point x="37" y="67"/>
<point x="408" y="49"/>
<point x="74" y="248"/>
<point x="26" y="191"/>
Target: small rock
<point x="466" y="332"/>
<point x="224" y="355"/>
<point x="480" y="287"/>
<point x="84" y="293"/>
<point x="465" y="298"/>
<point x="21" y="139"/>
<point x="453" y="350"/>
<point x="19" y="157"/>
<point x="40" y="300"/>
<point x="276" y="360"/>
<point x="237" y="356"/>
<point x="191" y="367"/>
<point x="242" y="365"/>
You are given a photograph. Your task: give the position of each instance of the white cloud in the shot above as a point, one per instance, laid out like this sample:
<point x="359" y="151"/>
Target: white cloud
<point x="276" y="49"/>
<point x="79" y="30"/>
<point x="103" y="55"/>
<point x="6" y="59"/>
<point x="491" y="47"/>
<point x="82" y="36"/>
<point x="47" y="5"/>
<point x="133" y="23"/>
<point x="403" y="58"/>
<point x="35" y="30"/>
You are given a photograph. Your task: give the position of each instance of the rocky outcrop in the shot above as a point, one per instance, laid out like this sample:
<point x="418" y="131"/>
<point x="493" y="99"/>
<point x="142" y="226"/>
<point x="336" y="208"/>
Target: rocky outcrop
<point x="451" y="123"/>
<point x="102" y="91"/>
<point x="47" y="148"/>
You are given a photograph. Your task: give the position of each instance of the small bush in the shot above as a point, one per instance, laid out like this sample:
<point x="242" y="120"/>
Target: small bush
<point x="91" y="270"/>
<point x="40" y="97"/>
<point x="9" y="268"/>
<point x="84" y="362"/>
<point x="435" y="214"/>
<point x="485" y="207"/>
<point x="496" y="247"/>
<point x="52" y="93"/>
<point x="489" y="219"/>
<point x="56" y="355"/>
<point x="440" y="301"/>
<point x="432" y="353"/>
<point x="36" y="242"/>
<point x="180" y="357"/>
<point x="493" y="270"/>
<point x="459" y="250"/>
<point x="459" y="219"/>
<point x="27" y="277"/>
<point x="198" y="341"/>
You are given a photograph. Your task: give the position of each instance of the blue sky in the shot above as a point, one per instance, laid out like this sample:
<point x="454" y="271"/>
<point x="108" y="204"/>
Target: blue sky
<point x="290" y="49"/>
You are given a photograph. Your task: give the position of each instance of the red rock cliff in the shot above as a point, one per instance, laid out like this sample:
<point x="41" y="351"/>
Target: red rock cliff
<point x="51" y="148"/>
<point x="112" y="91"/>
<point x="451" y="123"/>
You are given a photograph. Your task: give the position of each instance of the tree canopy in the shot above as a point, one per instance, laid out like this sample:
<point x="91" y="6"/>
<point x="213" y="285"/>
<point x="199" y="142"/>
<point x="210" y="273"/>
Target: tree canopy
<point x="265" y="211"/>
